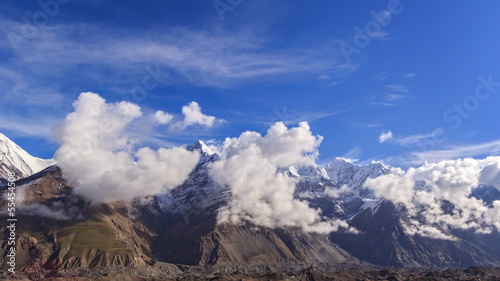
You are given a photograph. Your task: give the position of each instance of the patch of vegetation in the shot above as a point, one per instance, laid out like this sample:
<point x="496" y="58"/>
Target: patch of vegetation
<point x="93" y="242"/>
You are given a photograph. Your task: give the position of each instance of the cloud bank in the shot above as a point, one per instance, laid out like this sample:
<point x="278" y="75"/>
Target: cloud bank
<point x="100" y="160"/>
<point x="428" y="190"/>
<point x="261" y="195"/>
<point x="57" y="211"/>
<point x="102" y="163"/>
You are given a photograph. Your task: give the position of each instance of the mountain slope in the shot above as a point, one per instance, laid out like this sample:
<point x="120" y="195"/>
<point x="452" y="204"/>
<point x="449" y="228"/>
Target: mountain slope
<point x="193" y="236"/>
<point x="15" y="159"/>
<point x="384" y="241"/>
<point x="57" y="229"/>
<point x="201" y="241"/>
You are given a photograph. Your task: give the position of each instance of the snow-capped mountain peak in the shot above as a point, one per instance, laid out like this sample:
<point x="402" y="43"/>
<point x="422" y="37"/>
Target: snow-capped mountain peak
<point x="15" y="159"/>
<point x="201" y="147"/>
<point x="342" y="172"/>
<point x="310" y="171"/>
<point x="373" y="170"/>
<point x="338" y="163"/>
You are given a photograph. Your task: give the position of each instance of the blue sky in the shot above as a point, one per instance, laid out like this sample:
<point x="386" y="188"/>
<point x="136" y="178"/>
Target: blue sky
<point x="426" y="79"/>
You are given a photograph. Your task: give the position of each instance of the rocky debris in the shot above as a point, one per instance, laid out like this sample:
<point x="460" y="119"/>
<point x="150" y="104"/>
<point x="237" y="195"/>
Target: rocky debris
<point x="298" y="272"/>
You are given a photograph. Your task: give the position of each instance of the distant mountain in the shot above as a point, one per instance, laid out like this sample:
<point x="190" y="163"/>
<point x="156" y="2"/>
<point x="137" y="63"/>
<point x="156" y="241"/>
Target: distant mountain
<point x="384" y="241"/>
<point x="342" y="172"/>
<point x="487" y="193"/>
<point x="15" y="159"/>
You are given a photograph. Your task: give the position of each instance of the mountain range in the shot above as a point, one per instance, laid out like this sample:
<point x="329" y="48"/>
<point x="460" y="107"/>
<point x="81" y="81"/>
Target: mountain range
<point x="57" y="229"/>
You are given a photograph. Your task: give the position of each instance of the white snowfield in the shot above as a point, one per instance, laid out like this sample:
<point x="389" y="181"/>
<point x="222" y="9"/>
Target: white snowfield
<point x="15" y="159"/>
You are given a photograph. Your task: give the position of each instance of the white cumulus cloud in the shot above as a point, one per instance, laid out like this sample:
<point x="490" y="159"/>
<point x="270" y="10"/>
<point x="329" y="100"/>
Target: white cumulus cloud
<point x="100" y="161"/>
<point x="385" y="136"/>
<point x="162" y="117"/>
<point x="260" y="193"/>
<point x="438" y="185"/>
<point x="193" y="116"/>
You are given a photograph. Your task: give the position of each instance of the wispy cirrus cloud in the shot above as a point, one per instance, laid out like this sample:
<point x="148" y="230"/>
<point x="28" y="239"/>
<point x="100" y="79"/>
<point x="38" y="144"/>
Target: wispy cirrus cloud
<point x="323" y="77"/>
<point x="398" y="88"/>
<point x="19" y="87"/>
<point x="214" y="58"/>
<point x="371" y="125"/>
<point x="409" y="140"/>
<point x="408" y="75"/>
<point x="17" y="125"/>
<point x="74" y="56"/>
<point x="394" y="94"/>
<point x="458" y="151"/>
<point x="394" y="97"/>
<point x="293" y="117"/>
<point x="353" y="154"/>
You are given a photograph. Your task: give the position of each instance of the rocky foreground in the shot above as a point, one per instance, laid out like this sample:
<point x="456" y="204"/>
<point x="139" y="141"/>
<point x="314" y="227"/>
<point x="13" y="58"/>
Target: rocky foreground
<point x="317" y="273"/>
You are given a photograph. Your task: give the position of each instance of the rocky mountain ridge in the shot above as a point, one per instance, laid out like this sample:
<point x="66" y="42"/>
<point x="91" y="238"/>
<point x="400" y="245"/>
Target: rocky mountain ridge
<point x="181" y="227"/>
